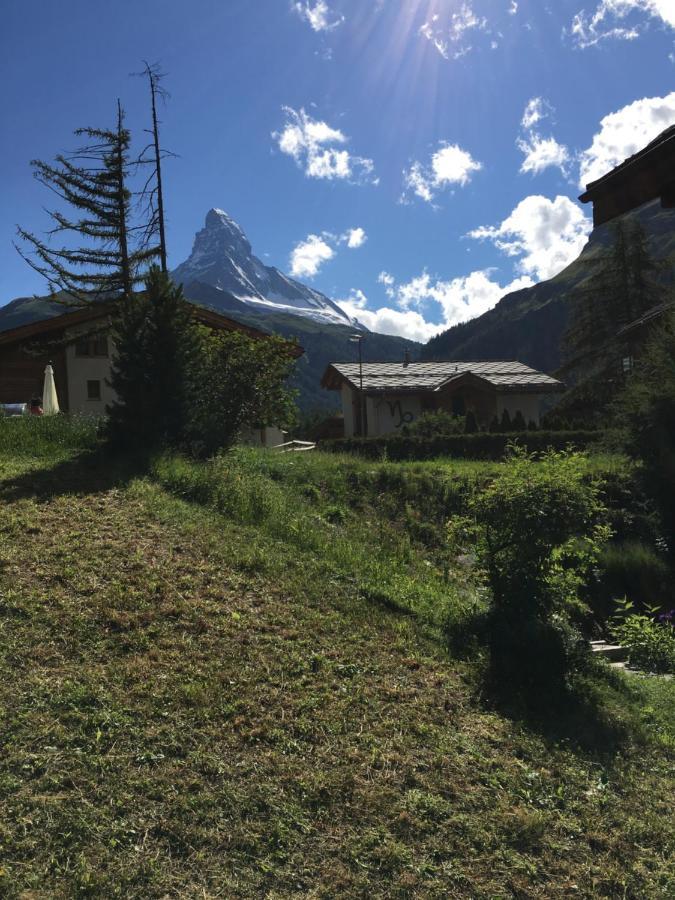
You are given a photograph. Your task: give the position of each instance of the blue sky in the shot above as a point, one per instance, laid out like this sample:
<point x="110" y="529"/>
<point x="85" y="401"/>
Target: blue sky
<point x="412" y="158"/>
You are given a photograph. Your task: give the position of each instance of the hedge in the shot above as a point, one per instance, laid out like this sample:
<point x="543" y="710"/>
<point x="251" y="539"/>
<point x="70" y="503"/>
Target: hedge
<point x="484" y="445"/>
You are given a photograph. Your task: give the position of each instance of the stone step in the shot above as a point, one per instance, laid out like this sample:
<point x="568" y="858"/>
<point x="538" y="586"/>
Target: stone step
<point x="613" y="652"/>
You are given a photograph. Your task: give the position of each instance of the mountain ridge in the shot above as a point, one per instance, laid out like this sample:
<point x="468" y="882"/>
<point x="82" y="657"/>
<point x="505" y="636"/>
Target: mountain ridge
<point x="529" y="324"/>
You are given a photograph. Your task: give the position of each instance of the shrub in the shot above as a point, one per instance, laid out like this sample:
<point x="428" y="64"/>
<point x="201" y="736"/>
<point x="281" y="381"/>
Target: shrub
<point x="634" y="570"/>
<point x="519" y="422"/>
<point x="470" y="423"/>
<point x="537" y="535"/>
<point x="432" y="424"/>
<point x="649" y="642"/>
<point x="483" y="445"/>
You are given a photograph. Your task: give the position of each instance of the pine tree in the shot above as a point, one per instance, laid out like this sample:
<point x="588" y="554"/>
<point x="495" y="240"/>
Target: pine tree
<point x="93" y="181"/>
<point x="157" y="346"/>
<point x="470" y="423"/>
<point x="518" y="423"/>
<point x="505" y="423"/>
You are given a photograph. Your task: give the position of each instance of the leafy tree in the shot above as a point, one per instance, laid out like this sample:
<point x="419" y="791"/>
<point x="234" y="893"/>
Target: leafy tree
<point x="93" y="181"/>
<point x="157" y="345"/>
<point x="537" y="536"/>
<point x="238" y="381"/>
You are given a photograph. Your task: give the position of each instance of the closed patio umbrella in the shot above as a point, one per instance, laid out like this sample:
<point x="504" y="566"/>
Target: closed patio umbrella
<point x="50" y="401"/>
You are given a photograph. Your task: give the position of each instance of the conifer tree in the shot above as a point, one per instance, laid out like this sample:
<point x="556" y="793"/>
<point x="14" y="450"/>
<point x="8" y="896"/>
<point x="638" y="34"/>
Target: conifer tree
<point x="505" y="423"/>
<point x="93" y="182"/>
<point x="157" y="345"/>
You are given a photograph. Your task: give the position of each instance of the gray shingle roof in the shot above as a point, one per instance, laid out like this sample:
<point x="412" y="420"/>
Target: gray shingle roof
<point x="390" y="377"/>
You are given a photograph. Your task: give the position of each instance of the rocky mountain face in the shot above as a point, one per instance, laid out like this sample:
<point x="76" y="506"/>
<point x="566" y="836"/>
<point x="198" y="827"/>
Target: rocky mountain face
<point x="528" y="325"/>
<point x="222" y="258"/>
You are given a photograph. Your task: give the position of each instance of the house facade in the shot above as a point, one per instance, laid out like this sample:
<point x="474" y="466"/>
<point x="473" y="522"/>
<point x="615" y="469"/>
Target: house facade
<point x="79" y="345"/>
<point x="397" y="394"/>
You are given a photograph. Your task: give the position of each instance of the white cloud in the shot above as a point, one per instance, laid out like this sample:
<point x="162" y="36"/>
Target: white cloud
<point x="459" y="299"/>
<point x="449" y="165"/>
<point x="513" y="9"/>
<point x="536" y="109"/>
<point x="449" y="37"/>
<point x="450" y="302"/>
<point x="404" y="323"/>
<point x="619" y="20"/>
<point x="318" y="15"/>
<point x="545" y="234"/>
<point x="623" y="133"/>
<point x="355" y="237"/>
<point x="388" y="280"/>
<point x="316" y="148"/>
<point x="309" y="255"/>
<point x="540" y="152"/>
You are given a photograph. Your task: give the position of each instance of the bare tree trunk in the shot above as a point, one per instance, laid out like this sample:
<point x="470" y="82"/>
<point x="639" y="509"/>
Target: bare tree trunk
<point x="125" y="266"/>
<point x="158" y="166"/>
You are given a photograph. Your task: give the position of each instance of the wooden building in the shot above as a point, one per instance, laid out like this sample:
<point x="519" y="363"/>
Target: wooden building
<point x="647" y="175"/>
<point x="79" y="346"/>
<point x="396" y="394"/>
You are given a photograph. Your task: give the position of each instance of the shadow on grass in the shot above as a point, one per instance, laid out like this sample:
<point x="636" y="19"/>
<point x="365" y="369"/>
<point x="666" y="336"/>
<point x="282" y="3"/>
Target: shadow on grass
<point x="578" y="715"/>
<point x="90" y="472"/>
<point x="586" y="711"/>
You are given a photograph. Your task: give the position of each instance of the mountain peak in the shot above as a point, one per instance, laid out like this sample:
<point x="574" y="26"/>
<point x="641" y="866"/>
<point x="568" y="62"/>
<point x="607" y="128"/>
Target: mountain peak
<point x="222" y="258"/>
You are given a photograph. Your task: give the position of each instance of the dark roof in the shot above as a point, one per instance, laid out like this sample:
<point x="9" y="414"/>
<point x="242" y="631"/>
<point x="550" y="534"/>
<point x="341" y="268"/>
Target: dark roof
<point x="98" y="311"/>
<point x="664" y="143"/>
<point x="427" y="377"/>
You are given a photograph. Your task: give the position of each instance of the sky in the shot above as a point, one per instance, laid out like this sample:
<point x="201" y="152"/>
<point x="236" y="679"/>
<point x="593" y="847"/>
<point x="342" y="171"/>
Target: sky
<point x="414" y="160"/>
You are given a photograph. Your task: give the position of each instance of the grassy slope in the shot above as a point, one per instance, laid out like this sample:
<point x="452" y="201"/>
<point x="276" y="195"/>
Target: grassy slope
<point x="196" y="706"/>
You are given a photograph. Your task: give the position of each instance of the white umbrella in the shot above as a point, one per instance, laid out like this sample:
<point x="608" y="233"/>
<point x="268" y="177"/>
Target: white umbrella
<point x="50" y="401"/>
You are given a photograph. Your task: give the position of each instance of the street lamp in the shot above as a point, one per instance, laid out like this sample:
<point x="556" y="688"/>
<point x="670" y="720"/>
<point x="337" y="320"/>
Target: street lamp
<point x="358" y="339"/>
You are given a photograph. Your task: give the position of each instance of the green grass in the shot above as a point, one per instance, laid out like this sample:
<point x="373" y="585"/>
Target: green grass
<point x="198" y="698"/>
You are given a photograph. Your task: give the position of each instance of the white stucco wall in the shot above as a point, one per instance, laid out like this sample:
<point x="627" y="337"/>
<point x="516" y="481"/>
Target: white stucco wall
<point x="387" y="415"/>
<point x="528" y="404"/>
<point x="347" y="410"/>
<point x="81" y="369"/>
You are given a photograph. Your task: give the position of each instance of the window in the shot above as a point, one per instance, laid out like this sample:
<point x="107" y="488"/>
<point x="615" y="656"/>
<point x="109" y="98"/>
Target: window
<point x="627" y="365"/>
<point x="93" y="390"/>
<point x="92" y="345"/>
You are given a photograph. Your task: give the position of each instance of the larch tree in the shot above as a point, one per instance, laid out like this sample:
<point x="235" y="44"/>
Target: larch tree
<point x="93" y="182"/>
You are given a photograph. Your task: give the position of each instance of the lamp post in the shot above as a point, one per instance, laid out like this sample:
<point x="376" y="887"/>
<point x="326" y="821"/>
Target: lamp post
<point x="358" y="339"/>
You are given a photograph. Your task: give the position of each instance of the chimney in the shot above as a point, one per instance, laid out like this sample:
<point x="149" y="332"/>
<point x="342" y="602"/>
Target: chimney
<point x="406" y="359"/>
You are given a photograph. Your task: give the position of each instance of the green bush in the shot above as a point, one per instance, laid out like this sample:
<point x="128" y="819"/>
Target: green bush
<point x="649" y="642"/>
<point x="484" y="445"/>
<point x="433" y="424"/>
<point x="537" y="533"/>
<point x="635" y="570"/>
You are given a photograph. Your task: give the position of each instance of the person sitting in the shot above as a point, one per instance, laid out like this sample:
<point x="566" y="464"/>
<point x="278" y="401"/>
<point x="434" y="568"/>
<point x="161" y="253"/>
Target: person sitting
<point x="35" y="406"/>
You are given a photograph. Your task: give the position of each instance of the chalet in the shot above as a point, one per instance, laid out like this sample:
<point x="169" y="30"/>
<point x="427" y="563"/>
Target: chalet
<point x="380" y="398"/>
<point x="647" y="175"/>
<point x="79" y="346"/>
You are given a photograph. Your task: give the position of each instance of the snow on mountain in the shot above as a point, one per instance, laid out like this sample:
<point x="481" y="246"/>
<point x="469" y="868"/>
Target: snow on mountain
<point x="222" y="258"/>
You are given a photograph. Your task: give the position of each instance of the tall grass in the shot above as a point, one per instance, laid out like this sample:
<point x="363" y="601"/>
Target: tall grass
<point x="47" y="436"/>
<point x="325" y="512"/>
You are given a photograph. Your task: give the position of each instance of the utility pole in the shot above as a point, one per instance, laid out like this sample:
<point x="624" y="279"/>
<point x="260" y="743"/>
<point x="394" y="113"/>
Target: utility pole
<point x="358" y="339"/>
